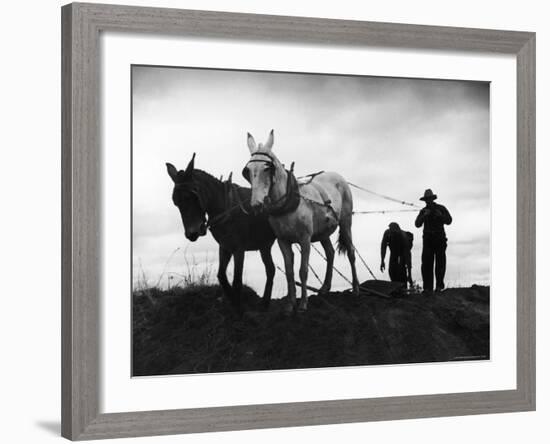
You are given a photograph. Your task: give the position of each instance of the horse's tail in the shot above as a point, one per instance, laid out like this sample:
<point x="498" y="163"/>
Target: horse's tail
<point x="345" y="243"/>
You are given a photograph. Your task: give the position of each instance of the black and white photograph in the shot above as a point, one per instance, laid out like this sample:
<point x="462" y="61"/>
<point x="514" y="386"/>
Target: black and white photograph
<point x="287" y="220"/>
<point x="243" y="222"/>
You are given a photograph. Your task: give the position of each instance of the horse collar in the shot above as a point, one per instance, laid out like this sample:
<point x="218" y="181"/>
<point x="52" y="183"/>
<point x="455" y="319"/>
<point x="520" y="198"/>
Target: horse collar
<point x="289" y="201"/>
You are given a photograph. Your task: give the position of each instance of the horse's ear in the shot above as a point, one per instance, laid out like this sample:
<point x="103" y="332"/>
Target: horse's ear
<point x="190" y="166"/>
<point x="230" y="178"/>
<point x="269" y="144"/>
<point x="251" y="143"/>
<point x="172" y="171"/>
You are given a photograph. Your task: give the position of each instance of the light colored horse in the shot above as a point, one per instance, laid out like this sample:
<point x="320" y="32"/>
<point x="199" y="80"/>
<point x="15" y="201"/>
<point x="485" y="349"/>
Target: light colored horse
<point x="301" y="213"/>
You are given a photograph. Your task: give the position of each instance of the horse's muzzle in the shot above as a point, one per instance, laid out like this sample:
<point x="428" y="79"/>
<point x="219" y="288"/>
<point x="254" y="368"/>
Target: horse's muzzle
<point x="195" y="234"/>
<point x="192" y="236"/>
<point x="258" y="209"/>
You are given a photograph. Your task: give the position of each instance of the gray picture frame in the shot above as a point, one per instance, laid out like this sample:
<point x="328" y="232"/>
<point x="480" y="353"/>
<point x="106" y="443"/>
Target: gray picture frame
<point x="81" y="176"/>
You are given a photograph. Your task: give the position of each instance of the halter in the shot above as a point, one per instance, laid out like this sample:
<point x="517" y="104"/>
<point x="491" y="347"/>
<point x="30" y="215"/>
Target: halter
<point x="212" y="222"/>
<point x="270" y="163"/>
<point x="289" y="201"/>
<point x="194" y="191"/>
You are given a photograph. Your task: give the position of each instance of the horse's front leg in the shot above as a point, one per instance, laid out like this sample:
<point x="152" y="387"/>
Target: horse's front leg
<point x="305" y="246"/>
<point x="288" y="256"/>
<point x="224" y="258"/>
<point x="270" y="274"/>
<point x="238" y="259"/>
<point x="329" y="254"/>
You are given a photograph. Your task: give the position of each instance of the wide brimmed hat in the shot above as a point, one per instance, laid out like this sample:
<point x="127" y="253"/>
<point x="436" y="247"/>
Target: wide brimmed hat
<point x="429" y="195"/>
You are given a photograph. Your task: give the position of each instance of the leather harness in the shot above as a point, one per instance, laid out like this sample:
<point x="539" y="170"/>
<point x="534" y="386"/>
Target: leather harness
<point x="289" y="201"/>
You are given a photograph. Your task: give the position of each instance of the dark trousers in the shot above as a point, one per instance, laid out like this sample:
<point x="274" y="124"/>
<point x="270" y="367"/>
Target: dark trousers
<point x="434" y="246"/>
<point x="397" y="269"/>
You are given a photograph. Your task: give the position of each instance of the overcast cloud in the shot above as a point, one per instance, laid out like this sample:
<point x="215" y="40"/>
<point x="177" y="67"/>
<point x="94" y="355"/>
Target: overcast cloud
<point x="394" y="136"/>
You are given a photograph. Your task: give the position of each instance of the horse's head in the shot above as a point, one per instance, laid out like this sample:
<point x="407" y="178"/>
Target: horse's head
<point x="187" y="197"/>
<point x="261" y="171"/>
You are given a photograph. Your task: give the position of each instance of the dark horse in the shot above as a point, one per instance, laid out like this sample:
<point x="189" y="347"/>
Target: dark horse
<point x="199" y="196"/>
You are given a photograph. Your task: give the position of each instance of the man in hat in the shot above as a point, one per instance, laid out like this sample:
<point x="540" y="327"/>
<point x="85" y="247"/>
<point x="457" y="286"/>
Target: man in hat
<point x="400" y="243"/>
<point x="434" y="241"/>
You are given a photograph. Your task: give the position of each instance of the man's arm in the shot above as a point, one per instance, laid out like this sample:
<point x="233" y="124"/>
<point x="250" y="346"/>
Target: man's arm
<point x="383" y="247"/>
<point x="445" y="215"/>
<point x="420" y="218"/>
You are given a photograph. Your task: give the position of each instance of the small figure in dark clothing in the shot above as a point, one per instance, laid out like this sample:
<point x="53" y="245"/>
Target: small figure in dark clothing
<point x="400" y="243"/>
<point x="434" y="241"/>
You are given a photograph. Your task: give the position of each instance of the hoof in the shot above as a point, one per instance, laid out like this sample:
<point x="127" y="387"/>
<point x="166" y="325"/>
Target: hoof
<point x="324" y="290"/>
<point x="356" y="290"/>
<point x="303" y="306"/>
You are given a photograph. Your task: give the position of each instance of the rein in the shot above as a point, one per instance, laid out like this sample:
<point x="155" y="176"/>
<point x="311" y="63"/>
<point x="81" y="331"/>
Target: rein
<point x="224" y="216"/>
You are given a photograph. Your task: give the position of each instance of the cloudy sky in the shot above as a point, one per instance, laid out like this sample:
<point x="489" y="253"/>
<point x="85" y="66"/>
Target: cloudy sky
<point x="394" y="136"/>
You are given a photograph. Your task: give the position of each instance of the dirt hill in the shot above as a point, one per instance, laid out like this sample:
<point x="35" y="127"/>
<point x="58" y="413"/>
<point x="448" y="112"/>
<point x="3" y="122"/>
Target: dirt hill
<point x="194" y="330"/>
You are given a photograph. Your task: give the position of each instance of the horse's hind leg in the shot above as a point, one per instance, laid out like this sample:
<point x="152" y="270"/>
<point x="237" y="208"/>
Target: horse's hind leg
<point x="304" y="266"/>
<point x="270" y="273"/>
<point x="329" y="254"/>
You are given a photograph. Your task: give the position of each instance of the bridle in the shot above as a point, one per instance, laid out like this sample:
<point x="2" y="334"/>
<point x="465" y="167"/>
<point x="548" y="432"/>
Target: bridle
<point x="289" y="201"/>
<point x="270" y="166"/>
<point x="229" y="195"/>
<point x="194" y="191"/>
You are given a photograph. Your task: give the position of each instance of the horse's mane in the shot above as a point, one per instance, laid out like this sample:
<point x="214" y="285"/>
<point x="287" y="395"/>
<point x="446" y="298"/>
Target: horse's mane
<point x="214" y="191"/>
<point x="210" y="181"/>
<point x="204" y="178"/>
